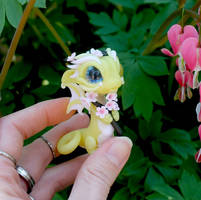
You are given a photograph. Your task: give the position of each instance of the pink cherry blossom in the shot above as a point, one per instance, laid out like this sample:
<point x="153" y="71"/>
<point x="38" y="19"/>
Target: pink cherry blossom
<point x="185" y="82"/>
<point x="72" y="57"/>
<point x="176" y="37"/>
<point x="101" y="111"/>
<point x="95" y="52"/>
<point x="91" y="96"/>
<point x="85" y="102"/>
<point x="112" y="105"/>
<point x="112" y="97"/>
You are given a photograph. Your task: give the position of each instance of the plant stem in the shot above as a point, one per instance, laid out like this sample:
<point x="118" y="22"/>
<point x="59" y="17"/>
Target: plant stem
<point x="153" y="44"/>
<point x="15" y="41"/>
<point x="52" y="30"/>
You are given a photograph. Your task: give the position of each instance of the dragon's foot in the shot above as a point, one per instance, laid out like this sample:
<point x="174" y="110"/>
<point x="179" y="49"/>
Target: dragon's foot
<point x="69" y="142"/>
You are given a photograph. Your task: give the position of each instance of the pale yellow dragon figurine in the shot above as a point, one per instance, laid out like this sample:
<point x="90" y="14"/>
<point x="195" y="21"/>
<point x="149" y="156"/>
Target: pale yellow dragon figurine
<point x="93" y="79"/>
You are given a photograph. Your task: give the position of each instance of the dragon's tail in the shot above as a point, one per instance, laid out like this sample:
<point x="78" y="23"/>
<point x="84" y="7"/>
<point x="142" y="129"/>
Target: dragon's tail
<point x="69" y="142"/>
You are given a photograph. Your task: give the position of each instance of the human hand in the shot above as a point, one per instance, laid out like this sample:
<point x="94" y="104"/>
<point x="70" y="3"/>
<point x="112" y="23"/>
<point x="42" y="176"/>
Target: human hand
<point x="96" y="172"/>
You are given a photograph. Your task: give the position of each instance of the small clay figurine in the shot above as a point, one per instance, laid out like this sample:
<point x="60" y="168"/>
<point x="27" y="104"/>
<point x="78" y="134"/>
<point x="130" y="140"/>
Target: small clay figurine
<point x="93" y="79"/>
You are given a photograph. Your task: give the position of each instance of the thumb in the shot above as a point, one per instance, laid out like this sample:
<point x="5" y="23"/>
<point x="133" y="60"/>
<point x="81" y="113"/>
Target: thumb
<point x="100" y="170"/>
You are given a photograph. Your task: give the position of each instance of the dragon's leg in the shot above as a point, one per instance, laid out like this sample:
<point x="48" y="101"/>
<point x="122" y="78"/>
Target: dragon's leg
<point x="69" y="142"/>
<point x="90" y="144"/>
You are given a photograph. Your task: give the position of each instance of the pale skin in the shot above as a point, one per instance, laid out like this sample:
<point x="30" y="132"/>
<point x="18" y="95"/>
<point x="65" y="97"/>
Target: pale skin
<point x="92" y="175"/>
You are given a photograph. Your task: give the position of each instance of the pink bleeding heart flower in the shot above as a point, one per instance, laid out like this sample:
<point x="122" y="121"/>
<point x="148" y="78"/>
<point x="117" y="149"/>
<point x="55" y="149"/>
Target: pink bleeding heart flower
<point x="91" y="96"/>
<point x="112" y="97"/>
<point x="191" y="52"/>
<point x="176" y="36"/>
<point x="101" y="111"/>
<point x="198" y="156"/>
<point x="198" y="111"/>
<point x="112" y="105"/>
<point x="185" y="80"/>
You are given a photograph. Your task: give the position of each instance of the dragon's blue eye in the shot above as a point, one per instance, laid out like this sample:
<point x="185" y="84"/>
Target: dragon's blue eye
<point x="93" y="75"/>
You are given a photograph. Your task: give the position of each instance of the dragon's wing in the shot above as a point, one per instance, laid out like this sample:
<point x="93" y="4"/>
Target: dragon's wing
<point x="75" y="100"/>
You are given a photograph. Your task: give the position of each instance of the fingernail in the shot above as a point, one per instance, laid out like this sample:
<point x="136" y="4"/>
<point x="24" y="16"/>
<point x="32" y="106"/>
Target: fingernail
<point x="119" y="150"/>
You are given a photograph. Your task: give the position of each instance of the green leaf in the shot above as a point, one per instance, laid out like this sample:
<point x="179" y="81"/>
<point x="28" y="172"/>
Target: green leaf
<point x="80" y="4"/>
<point x="133" y="184"/>
<point x="2" y="15"/>
<point x="170" y="173"/>
<point x="7" y="109"/>
<point x="45" y="90"/>
<point x="13" y="12"/>
<point x="179" y="140"/>
<point x="136" y="167"/>
<point x="17" y="73"/>
<point x="183" y="148"/>
<point x="104" y="21"/>
<point x="175" y="135"/>
<point x="155" y="123"/>
<point x="40" y="3"/>
<point x="156" y="148"/>
<point x="153" y="65"/>
<point x="162" y="16"/>
<point x="64" y="32"/>
<point x="122" y="194"/>
<point x="144" y="129"/>
<point x="120" y="19"/>
<point x="6" y="96"/>
<point x="28" y="100"/>
<point x="142" y="106"/>
<point x="170" y="160"/>
<point x="47" y="73"/>
<point x="153" y="179"/>
<point x="156" y="196"/>
<point x="126" y="3"/>
<point x="119" y="42"/>
<point x="128" y="95"/>
<point x="22" y="2"/>
<point x="141" y="90"/>
<point x="155" y="182"/>
<point x="21" y="71"/>
<point x="190" y="186"/>
<point x="158" y="1"/>
<point x="57" y="196"/>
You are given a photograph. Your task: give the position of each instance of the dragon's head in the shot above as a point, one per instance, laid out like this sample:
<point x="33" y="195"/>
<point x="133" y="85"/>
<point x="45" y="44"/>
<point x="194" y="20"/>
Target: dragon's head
<point x="94" y="76"/>
<point x="95" y="71"/>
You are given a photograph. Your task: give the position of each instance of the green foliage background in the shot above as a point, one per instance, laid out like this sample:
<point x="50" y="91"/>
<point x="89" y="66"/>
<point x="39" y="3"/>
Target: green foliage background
<point x="164" y="132"/>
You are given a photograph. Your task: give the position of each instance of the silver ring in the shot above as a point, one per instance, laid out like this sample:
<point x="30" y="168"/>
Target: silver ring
<point x="50" y="145"/>
<point x="31" y="197"/>
<point x="6" y="155"/>
<point x="26" y="176"/>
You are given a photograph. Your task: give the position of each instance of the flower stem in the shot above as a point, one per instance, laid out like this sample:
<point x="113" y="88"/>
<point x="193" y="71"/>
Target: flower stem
<point x="52" y="30"/>
<point x="182" y="18"/>
<point x="153" y="44"/>
<point x="15" y="41"/>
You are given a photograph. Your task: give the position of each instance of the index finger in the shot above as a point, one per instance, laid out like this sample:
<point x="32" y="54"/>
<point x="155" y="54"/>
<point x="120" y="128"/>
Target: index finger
<point x="23" y="124"/>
